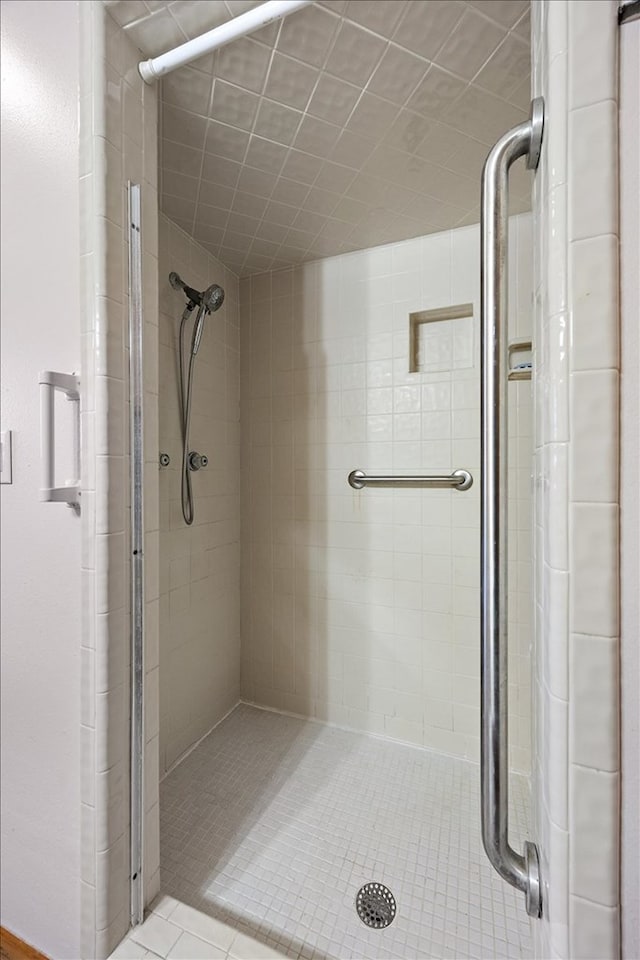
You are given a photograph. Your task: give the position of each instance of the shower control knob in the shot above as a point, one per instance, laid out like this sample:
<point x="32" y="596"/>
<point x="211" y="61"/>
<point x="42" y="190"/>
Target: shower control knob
<point x="165" y="459"/>
<point x="197" y="460"/>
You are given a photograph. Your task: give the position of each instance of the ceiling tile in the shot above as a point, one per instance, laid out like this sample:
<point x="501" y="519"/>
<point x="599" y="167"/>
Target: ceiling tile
<point x="311" y="222"/>
<point x="352" y="149"/>
<point x="290" y="191"/>
<point x="265" y="155"/>
<point x="126" y="11"/>
<point x="301" y="166"/>
<point x="333" y="99"/>
<point x="380" y="16"/>
<point x="195" y="18"/>
<point x="208" y="234"/>
<point x="437" y="93"/>
<point x="424" y="30"/>
<point x="233" y="105"/>
<point x="397" y="75"/>
<point x="248" y="204"/>
<point x="338" y="138"/>
<point x="469" y="45"/>
<point x="289" y="81"/>
<point x="275" y="232"/>
<point x="215" y="195"/>
<point x="408" y="131"/>
<point x="308" y="34"/>
<point x="188" y="89"/>
<point x="317" y="136"/>
<point x="156" y="33"/>
<point x="239" y="223"/>
<point x="520" y="96"/>
<point x="352" y="211"/>
<point x="523" y="26"/>
<point x="183" y="127"/>
<point x="280" y="213"/>
<point x="225" y="141"/>
<point x="505" y="12"/>
<point x="483" y="116"/>
<point x="181" y="159"/>
<point x="372" y="116"/>
<point x="256" y="182"/>
<point x="321" y="201"/>
<point x="244" y="62"/>
<point x="334" y="176"/>
<point x="218" y="170"/>
<point x="177" y="207"/>
<point x="507" y="69"/>
<point x="277" y="122"/>
<point x="177" y="185"/>
<point x="354" y="55"/>
<point x="211" y="216"/>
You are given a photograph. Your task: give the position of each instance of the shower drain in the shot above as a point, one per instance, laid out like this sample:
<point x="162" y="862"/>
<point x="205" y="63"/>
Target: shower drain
<point x="376" y="905"/>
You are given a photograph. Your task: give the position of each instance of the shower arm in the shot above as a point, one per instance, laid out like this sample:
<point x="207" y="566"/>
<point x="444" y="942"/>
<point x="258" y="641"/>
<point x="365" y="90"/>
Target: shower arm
<point x="520" y="870"/>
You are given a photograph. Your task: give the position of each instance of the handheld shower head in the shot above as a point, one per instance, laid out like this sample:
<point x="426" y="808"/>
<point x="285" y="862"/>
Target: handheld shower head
<point x="213" y="298"/>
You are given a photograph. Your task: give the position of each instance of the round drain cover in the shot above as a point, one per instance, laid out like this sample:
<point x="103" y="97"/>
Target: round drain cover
<point x="376" y="905"/>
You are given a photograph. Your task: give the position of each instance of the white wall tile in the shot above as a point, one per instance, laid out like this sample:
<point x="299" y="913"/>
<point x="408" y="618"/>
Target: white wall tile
<point x="199" y="566"/>
<point x="593" y="206"/>
<point x="399" y="598"/>
<point x="576" y="513"/>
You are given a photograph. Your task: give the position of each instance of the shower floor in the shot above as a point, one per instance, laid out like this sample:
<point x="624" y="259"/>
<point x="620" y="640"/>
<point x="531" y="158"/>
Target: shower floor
<point x="273" y="824"/>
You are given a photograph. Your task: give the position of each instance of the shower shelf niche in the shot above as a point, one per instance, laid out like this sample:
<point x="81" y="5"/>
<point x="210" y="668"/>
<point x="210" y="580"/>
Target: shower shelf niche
<point x="520" y="360"/>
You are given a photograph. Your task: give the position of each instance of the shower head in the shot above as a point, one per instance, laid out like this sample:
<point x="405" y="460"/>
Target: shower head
<point x="211" y="298"/>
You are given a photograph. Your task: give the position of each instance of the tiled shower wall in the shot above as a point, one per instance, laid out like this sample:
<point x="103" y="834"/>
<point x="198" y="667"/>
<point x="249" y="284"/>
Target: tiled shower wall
<point x="576" y="336"/>
<point x="118" y="121"/>
<point x="199" y="565"/>
<point x="362" y="608"/>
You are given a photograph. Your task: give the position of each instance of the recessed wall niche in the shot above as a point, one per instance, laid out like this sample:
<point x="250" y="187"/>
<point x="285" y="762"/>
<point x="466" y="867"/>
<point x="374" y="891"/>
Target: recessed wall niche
<point x="441" y="339"/>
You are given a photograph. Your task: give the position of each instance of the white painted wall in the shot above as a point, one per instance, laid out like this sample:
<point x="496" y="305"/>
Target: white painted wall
<point x="40" y="542"/>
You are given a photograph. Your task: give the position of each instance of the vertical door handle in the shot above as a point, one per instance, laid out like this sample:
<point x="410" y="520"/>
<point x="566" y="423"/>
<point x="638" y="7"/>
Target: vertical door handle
<point x="69" y="384"/>
<point x="520" y="870"/>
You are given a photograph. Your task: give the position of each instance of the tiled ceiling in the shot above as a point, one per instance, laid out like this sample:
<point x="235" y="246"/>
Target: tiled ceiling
<point x="348" y="124"/>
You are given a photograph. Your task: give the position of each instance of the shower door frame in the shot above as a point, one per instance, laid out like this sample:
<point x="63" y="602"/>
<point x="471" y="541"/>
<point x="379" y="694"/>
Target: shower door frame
<point x="136" y="469"/>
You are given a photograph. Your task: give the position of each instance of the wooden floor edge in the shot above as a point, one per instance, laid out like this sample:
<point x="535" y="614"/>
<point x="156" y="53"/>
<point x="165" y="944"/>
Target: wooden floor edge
<point x="13" y="948"/>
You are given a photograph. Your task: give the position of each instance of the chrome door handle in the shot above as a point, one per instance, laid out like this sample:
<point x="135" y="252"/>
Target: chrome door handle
<point x="520" y="870"/>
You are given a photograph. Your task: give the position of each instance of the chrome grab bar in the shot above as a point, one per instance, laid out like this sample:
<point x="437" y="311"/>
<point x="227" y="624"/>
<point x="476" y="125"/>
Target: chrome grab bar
<point x="459" y="480"/>
<point x="521" y="871"/>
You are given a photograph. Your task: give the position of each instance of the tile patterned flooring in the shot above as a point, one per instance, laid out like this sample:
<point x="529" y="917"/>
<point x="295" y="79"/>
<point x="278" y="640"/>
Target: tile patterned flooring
<point x="273" y="823"/>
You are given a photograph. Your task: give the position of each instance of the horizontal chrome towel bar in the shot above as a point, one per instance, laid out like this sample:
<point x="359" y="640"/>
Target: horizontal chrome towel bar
<point x="459" y="480"/>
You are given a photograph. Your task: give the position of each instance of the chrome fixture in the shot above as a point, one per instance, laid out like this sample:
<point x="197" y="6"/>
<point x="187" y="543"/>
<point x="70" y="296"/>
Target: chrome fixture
<point x="197" y="461"/>
<point x="459" y="480"/>
<point x="375" y="905"/>
<point x="207" y="301"/>
<point x="520" y="870"/>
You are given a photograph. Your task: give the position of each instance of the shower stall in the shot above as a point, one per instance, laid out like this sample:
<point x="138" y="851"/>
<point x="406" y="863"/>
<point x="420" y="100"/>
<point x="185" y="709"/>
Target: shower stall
<point x="351" y="602"/>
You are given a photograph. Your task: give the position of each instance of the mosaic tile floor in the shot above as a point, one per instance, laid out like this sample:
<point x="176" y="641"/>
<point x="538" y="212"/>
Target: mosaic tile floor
<point x="273" y="824"/>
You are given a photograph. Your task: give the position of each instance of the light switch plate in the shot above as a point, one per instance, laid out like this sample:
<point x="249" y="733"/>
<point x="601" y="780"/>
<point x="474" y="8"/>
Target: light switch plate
<point x="5" y="457"/>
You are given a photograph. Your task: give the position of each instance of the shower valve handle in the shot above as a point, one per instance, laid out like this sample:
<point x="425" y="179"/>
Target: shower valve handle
<point x="197" y="460"/>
